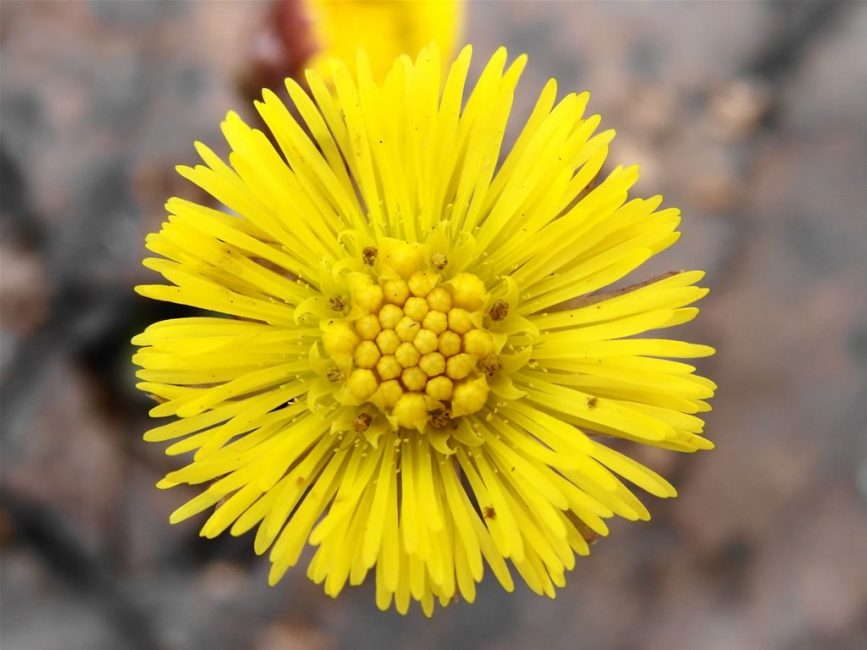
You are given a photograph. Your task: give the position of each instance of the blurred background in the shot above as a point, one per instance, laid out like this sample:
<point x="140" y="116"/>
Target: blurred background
<point x="750" y="116"/>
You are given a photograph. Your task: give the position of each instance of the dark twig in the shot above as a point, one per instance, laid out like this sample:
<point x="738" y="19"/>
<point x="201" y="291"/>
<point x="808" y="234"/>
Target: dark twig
<point x="796" y="26"/>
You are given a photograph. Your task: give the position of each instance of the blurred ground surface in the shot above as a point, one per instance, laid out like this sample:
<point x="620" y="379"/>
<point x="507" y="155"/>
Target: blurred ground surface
<point x="750" y="116"/>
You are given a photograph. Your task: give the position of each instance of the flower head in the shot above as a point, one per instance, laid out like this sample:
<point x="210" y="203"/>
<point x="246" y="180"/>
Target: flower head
<point x="300" y="34"/>
<point x="384" y="28"/>
<point x="391" y="376"/>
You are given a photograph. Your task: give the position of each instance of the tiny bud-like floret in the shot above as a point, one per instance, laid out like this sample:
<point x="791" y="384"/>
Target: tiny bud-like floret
<point x="413" y="379"/>
<point x="489" y="365"/>
<point x="416" y="308"/>
<point x="436" y="321"/>
<point x="404" y="258"/>
<point x="439" y="300"/>
<point x="460" y="365"/>
<point x="395" y="291"/>
<point x="406" y="355"/>
<point x="388" y="393"/>
<point x="459" y="320"/>
<point x="478" y="342"/>
<point x="468" y="292"/>
<point x="433" y="364"/>
<point x="368" y="327"/>
<point x="407" y="329"/>
<point x="425" y="341"/>
<point x="362" y="383"/>
<point x="439" y="388"/>
<point x="366" y="354"/>
<point x="388" y="367"/>
<point x="368" y="255"/>
<point x="362" y="422"/>
<point x="422" y="283"/>
<point x="339" y="338"/>
<point x="469" y="396"/>
<point x="368" y="297"/>
<point x="499" y="310"/>
<point x="439" y="419"/>
<point x="387" y="341"/>
<point x="439" y="261"/>
<point x="449" y="344"/>
<point x="411" y="411"/>
<point x="389" y="316"/>
<point x="337" y="303"/>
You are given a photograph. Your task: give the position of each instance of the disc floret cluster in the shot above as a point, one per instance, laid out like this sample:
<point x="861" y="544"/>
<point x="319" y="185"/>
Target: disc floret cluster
<point x="412" y="344"/>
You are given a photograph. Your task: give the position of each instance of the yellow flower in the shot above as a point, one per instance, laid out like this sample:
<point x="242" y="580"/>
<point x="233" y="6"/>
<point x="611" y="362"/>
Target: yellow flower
<point x="384" y="28"/>
<point x="392" y="377"/>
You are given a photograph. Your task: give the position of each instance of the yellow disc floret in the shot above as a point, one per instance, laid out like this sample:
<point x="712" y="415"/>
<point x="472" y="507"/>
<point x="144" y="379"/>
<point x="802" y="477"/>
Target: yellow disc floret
<point x="412" y="342"/>
<point x="407" y="328"/>
<point x="413" y="379"/>
<point x="387" y="394"/>
<point x="404" y="258"/>
<point x="422" y="283"/>
<point x="439" y="300"/>
<point x="433" y="364"/>
<point x="436" y="321"/>
<point x="439" y="388"/>
<point x="362" y="383"/>
<point x="411" y="411"/>
<point x="368" y="327"/>
<point x="395" y="291"/>
<point x="469" y="396"/>
<point x="416" y="308"/>
<point x="389" y="316"/>
<point x="366" y="354"/>
<point x="425" y="341"/>
<point x="339" y="338"/>
<point x="460" y="366"/>
<point x="406" y="355"/>
<point x="368" y="297"/>
<point x="387" y="341"/>
<point x="389" y="367"/>
<point x="449" y="343"/>
<point x="468" y="291"/>
<point x="460" y="320"/>
<point x="478" y="342"/>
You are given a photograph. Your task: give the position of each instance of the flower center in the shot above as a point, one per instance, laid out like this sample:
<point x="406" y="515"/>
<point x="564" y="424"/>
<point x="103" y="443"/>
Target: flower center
<point x="413" y="343"/>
